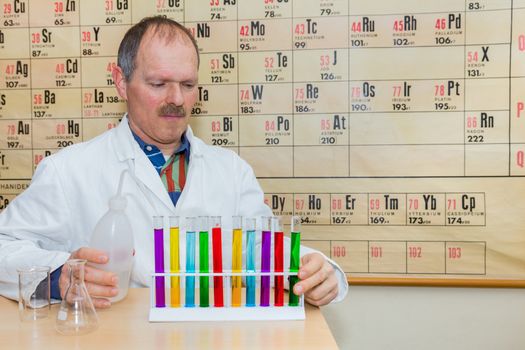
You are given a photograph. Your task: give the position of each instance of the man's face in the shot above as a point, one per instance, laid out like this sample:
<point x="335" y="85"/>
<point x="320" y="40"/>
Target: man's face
<point x="162" y="90"/>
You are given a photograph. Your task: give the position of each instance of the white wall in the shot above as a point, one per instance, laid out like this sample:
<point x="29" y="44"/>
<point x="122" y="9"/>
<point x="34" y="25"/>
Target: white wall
<point x="428" y="318"/>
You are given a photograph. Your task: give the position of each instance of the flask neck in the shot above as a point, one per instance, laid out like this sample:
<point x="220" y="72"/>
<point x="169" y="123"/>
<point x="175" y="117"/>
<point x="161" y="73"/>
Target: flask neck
<point x="76" y="271"/>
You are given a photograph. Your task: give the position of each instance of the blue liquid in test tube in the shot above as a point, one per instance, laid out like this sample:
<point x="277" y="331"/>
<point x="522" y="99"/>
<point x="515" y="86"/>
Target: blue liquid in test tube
<point x="250" y="261"/>
<point x="190" y="261"/>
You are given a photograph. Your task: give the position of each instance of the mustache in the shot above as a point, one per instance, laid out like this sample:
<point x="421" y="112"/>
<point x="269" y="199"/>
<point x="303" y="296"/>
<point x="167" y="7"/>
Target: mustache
<point x="171" y="109"/>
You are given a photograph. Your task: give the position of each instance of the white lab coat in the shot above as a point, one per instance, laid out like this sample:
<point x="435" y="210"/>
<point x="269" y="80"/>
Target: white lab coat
<point x="70" y="190"/>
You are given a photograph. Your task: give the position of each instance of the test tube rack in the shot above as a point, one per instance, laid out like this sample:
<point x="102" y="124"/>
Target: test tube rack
<point x="226" y="312"/>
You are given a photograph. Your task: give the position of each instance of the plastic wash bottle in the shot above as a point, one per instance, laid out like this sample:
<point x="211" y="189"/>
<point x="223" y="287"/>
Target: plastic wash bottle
<point x="114" y="236"/>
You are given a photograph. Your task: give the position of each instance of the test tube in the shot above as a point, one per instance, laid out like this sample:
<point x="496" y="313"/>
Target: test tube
<point x="227" y="291"/>
<point x="237" y="260"/>
<point x="250" y="260"/>
<point x="278" y="260"/>
<point x="216" y="232"/>
<point x="204" y="300"/>
<point x="294" y="258"/>
<point x="191" y="223"/>
<point x="174" y="261"/>
<point x="266" y="253"/>
<point x="158" y="241"/>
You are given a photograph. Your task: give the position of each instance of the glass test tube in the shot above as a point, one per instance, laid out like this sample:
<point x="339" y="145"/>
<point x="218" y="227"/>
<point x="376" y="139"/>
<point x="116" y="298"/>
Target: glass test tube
<point x="174" y="261"/>
<point x="158" y="241"/>
<point x="191" y="223"/>
<point x="266" y="253"/>
<point x="294" y="258"/>
<point x="204" y="266"/>
<point x="216" y="232"/>
<point x="250" y="260"/>
<point x="227" y="291"/>
<point x="237" y="260"/>
<point x="278" y="260"/>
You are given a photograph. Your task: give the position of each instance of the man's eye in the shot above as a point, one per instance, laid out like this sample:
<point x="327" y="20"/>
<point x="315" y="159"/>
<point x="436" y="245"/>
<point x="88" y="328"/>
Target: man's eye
<point x="157" y="84"/>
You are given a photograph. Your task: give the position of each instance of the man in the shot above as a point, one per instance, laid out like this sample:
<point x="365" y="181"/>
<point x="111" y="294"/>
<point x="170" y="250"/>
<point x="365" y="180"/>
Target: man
<point x="172" y="173"/>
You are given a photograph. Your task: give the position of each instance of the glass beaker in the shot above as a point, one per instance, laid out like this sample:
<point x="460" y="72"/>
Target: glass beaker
<point x="76" y="314"/>
<point x="33" y="292"/>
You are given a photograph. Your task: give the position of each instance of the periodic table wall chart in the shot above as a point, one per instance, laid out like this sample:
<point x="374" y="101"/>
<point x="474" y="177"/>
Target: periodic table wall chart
<point x="396" y="129"/>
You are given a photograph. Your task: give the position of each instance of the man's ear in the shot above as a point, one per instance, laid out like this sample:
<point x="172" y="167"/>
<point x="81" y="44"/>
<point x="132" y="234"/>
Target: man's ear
<point x="120" y="82"/>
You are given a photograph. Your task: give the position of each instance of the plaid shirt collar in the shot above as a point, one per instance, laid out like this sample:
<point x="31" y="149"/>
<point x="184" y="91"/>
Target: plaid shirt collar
<point x="155" y="155"/>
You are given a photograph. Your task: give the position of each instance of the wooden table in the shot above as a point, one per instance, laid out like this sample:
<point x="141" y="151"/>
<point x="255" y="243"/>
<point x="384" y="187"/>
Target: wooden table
<point x="125" y="326"/>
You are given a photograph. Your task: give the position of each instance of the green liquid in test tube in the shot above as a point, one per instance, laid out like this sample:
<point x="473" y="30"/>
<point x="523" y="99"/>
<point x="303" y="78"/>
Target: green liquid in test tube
<point x="204" y="267"/>
<point x="294" y="258"/>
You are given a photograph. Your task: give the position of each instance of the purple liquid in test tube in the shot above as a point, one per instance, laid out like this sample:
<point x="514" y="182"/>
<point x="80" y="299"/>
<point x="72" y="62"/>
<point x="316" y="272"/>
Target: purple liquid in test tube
<point x="158" y="232"/>
<point x="266" y="260"/>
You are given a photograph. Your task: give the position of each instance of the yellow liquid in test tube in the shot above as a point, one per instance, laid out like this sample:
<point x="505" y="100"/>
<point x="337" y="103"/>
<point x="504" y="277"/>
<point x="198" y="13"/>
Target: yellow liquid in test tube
<point x="174" y="266"/>
<point x="237" y="267"/>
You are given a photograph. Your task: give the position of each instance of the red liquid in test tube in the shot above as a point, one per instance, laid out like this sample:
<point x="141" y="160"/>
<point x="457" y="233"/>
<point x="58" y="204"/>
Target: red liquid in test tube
<point x="278" y="261"/>
<point x="216" y="233"/>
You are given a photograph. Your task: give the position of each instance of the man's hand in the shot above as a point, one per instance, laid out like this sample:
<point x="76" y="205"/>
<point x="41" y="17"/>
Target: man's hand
<point x="100" y="284"/>
<point x="318" y="281"/>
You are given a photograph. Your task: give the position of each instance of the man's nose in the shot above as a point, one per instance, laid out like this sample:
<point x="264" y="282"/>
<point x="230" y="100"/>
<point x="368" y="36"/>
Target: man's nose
<point x="175" y="95"/>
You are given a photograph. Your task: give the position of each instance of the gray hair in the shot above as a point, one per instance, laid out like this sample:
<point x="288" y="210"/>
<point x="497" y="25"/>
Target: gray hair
<point x="161" y="26"/>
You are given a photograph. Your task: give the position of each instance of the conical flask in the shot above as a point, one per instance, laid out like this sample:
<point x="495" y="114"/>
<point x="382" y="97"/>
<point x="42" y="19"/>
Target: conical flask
<point x="76" y="314"/>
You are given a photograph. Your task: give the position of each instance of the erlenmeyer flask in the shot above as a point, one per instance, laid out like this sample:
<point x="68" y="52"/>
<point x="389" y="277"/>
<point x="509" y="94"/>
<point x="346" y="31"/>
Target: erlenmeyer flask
<point x="76" y="314"/>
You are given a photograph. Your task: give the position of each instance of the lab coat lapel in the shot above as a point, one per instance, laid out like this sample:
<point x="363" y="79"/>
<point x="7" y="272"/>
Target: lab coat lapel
<point x="127" y="149"/>
<point x="146" y="173"/>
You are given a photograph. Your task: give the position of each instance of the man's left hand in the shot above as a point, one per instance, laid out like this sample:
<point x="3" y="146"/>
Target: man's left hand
<point x="318" y="281"/>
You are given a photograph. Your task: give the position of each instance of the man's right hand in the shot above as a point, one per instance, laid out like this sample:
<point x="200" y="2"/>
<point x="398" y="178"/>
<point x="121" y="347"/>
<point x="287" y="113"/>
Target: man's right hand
<point x="100" y="284"/>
